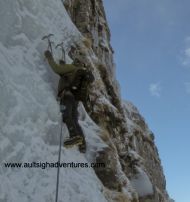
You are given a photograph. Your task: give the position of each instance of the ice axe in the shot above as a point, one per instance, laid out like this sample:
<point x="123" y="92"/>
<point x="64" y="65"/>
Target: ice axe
<point x="47" y="37"/>
<point x="61" y="45"/>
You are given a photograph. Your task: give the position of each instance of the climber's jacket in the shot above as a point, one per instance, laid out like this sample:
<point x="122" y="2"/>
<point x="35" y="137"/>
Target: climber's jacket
<point x="67" y="72"/>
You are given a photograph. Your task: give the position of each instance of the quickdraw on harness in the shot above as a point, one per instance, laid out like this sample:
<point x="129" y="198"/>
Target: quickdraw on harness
<point x="61" y="46"/>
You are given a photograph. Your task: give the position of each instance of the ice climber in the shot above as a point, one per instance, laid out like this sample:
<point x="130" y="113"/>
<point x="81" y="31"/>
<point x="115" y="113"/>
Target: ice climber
<point x="74" y="79"/>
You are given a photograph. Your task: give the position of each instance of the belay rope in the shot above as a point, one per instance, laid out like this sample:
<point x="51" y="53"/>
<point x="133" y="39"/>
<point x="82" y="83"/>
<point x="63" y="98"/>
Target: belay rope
<point x="59" y="159"/>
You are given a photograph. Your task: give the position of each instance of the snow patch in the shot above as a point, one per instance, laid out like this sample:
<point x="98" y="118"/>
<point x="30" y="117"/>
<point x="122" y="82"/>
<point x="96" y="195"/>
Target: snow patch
<point x="142" y="183"/>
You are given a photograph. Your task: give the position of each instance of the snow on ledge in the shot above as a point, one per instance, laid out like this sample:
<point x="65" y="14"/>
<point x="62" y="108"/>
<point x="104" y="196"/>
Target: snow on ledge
<point x="142" y="183"/>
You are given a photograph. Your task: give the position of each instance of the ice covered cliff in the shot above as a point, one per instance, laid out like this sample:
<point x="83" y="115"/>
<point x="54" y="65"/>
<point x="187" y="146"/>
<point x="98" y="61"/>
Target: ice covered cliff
<point x="30" y="120"/>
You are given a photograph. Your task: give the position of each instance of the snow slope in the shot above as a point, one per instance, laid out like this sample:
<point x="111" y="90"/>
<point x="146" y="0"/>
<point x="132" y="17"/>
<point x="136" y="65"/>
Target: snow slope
<point x="29" y="112"/>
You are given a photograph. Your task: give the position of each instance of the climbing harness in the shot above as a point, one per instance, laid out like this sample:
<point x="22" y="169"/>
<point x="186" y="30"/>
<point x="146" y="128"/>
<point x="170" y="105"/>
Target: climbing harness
<point x="59" y="159"/>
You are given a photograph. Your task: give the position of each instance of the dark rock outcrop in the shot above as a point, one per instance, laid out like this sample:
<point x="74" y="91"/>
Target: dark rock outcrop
<point x="133" y="171"/>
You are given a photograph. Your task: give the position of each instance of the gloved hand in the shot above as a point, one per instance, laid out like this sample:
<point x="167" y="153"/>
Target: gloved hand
<point x="47" y="54"/>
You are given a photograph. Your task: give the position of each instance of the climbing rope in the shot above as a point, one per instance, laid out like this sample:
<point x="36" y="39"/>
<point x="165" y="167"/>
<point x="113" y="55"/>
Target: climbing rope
<point x="59" y="158"/>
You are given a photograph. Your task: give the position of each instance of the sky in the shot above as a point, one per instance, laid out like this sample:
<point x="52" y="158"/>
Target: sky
<point x="151" y="40"/>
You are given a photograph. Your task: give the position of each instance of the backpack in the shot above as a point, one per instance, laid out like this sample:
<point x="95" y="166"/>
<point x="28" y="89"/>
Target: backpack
<point x="80" y="87"/>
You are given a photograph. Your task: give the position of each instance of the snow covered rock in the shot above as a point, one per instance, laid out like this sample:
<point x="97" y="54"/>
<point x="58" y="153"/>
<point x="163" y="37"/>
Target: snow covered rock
<point x="29" y="113"/>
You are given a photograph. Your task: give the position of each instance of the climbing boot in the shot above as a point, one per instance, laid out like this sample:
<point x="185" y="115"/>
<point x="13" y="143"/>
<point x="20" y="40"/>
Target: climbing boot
<point x="82" y="147"/>
<point x="76" y="140"/>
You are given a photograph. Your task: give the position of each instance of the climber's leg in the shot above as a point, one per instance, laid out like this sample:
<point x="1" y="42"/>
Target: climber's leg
<point x="82" y="147"/>
<point x="67" y="106"/>
<point x="67" y="103"/>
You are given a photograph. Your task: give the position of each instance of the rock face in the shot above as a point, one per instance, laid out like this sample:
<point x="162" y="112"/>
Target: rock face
<point x="133" y="169"/>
